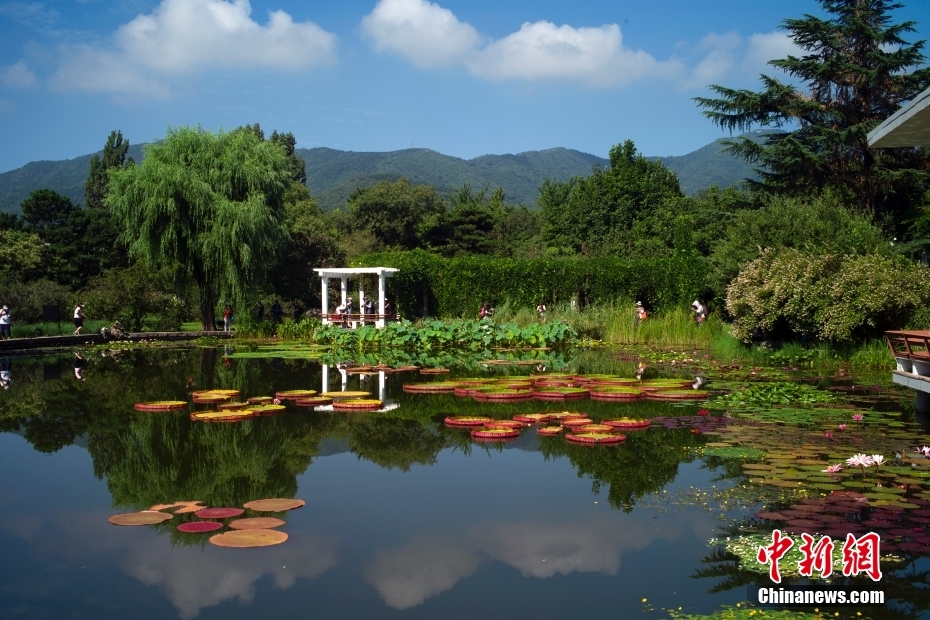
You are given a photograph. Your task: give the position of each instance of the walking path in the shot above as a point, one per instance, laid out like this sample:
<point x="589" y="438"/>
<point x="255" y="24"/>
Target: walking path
<point x="45" y="342"/>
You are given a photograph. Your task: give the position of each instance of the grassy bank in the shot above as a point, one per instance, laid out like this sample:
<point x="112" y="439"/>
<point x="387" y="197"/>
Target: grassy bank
<point x="616" y="324"/>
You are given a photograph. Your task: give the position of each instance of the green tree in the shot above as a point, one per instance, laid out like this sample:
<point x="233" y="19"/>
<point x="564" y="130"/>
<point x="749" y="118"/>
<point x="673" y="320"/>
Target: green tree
<point x="114" y="156"/>
<point x="819" y="225"/>
<point x="211" y="203"/>
<point x="396" y="212"/>
<point x="856" y="70"/>
<point x="601" y="209"/>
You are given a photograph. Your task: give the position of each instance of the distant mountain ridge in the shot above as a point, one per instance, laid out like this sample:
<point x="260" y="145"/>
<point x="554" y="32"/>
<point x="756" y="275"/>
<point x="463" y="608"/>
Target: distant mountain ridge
<point x="332" y="175"/>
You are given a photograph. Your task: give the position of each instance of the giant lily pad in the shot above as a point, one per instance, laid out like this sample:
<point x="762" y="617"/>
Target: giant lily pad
<point x="197" y="527"/>
<point x="274" y="505"/>
<point x="256" y="523"/>
<point x="244" y="539"/>
<point x="145" y="517"/>
<point x="219" y="513"/>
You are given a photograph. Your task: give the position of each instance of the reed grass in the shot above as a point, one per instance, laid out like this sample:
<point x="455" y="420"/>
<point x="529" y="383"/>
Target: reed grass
<point x="616" y="324"/>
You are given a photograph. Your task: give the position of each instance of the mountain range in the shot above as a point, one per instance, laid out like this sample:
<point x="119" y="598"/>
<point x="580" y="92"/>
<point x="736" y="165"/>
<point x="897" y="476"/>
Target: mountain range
<point x="332" y="175"/>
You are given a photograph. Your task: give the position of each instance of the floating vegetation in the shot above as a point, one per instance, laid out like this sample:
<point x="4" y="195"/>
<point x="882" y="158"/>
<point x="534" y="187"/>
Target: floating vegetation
<point x="772" y="393"/>
<point x="465" y="420"/>
<point x="595" y="438"/>
<point x="161" y="405"/>
<point x="218" y="513"/>
<point x="274" y="505"/>
<point x="295" y="394"/>
<point x="495" y="434"/>
<point x="199" y="527"/>
<point x="145" y="517"/>
<point x="733" y="452"/>
<point x="627" y="423"/>
<point x="245" y="539"/>
<point x="357" y="404"/>
<point x="256" y="523"/>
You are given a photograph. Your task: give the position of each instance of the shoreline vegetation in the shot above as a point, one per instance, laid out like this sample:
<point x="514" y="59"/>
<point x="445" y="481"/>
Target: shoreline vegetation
<point x="564" y="327"/>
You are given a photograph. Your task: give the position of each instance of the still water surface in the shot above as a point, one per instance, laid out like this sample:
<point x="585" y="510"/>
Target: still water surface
<point x="404" y="517"/>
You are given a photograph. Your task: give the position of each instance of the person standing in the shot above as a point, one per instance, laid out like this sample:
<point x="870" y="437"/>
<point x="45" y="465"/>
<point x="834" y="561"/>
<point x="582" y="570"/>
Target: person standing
<point x="641" y="313"/>
<point x="78" y="319"/>
<point x="388" y="309"/>
<point x="5" y="323"/>
<point x="227" y="318"/>
<point x="541" y="312"/>
<point x="700" y="312"/>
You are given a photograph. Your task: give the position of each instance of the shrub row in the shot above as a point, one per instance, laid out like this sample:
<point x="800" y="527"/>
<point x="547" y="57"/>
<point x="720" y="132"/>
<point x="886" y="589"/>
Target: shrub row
<point x="456" y="287"/>
<point x="828" y="297"/>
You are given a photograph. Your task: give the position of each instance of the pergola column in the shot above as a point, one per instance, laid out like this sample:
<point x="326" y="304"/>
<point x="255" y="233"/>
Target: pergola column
<point x="382" y="321"/>
<point x="361" y="296"/>
<point x="325" y="307"/>
<point x="345" y="290"/>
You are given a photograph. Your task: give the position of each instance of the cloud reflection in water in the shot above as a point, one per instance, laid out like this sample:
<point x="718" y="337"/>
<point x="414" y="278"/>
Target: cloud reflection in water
<point x="430" y="564"/>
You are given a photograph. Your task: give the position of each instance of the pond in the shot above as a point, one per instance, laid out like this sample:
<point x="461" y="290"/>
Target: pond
<point x="405" y="516"/>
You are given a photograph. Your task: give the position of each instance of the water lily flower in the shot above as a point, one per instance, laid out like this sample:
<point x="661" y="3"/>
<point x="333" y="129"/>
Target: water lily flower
<point x="857" y="417"/>
<point x="828" y="435"/>
<point x="860" y="460"/>
<point x="277" y="401"/>
<point x="703" y="412"/>
<point x="924" y="451"/>
<point x="842" y="427"/>
<point x="833" y="469"/>
<point x="878" y="459"/>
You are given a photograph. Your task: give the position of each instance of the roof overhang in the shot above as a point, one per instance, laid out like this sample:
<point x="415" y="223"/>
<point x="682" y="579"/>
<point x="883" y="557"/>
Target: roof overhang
<point x="346" y="272"/>
<point x="908" y="127"/>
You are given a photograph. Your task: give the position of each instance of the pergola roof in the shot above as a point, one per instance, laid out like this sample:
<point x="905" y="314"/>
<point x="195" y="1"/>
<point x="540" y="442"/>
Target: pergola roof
<point x="908" y="127"/>
<point x="343" y="272"/>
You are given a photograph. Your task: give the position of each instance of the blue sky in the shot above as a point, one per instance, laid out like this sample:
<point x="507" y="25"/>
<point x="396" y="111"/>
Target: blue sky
<point x="462" y="78"/>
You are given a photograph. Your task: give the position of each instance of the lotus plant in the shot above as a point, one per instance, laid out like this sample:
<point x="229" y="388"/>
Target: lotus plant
<point x="860" y="460"/>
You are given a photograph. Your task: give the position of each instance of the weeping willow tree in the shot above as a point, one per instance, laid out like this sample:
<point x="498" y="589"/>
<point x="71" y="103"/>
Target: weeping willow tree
<point x="208" y="204"/>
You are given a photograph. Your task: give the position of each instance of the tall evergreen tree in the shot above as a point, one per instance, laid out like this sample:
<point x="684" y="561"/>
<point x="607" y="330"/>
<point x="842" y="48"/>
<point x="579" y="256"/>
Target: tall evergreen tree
<point x="114" y="156"/>
<point x="856" y="70"/>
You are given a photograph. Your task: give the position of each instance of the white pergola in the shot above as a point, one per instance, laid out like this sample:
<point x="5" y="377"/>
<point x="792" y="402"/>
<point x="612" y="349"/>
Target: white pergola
<point x="344" y="274"/>
<point x="908" y="127"/>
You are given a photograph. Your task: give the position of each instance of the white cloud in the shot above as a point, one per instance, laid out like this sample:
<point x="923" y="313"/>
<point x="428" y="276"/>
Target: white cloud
<point x="430" y="564"/>
<point x="182" y="37"/>
<point x="425" y="33"/>
<point x="422" y="568"/>
<point x="544" y="51"/>
<point x="762" y="48"/>
<point x="430" y="36"/>
<point x="720" y="57"/>
<point x="17" y="75"/>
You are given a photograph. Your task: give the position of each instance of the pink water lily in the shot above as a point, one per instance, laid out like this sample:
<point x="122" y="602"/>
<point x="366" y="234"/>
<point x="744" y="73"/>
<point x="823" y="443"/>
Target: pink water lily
<point x="277" y="401"/>
<point x="833" y="469"/>
<point x="857" y="417"/>
<point x="860" y="460"/>
<point x="924" y="451"/>
<point x="842" y="427"/>
<point x="828" y="435"/>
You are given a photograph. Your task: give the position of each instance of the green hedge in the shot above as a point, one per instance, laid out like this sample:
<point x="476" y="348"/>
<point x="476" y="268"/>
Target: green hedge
<point x="456" y="287"/>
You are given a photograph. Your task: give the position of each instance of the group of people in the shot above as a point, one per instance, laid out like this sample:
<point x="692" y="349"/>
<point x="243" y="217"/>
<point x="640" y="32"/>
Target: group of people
<point x="368" y="307"/>
<point x="699" y="309"/>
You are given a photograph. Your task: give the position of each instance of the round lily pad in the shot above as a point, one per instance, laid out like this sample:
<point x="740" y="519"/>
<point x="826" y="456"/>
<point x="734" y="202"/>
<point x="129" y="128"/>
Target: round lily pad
<point x="256" y="523"/>
<point x="145" y="517"/>
<point x="219" y="513"/>
<point x="161" y="405"/>
<point x="197" y="527"/>
<point x="243" y="539"/>
<point x="274" y="505"/>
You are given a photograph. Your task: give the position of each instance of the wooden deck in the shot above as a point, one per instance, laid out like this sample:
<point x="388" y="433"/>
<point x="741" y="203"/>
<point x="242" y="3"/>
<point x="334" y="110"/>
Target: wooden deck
<point x="52" y="342"/>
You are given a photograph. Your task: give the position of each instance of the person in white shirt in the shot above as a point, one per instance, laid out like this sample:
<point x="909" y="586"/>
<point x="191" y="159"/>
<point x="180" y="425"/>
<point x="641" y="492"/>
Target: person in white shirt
<point x="700" y="312"/>
<point x="78" y="319"/>
<point x="5" y="322"/>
